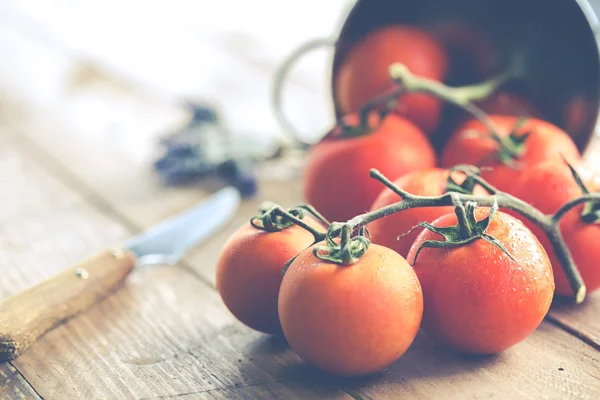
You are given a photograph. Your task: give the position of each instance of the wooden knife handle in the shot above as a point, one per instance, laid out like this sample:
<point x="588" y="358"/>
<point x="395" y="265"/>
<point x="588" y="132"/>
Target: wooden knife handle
<point x="27" y="316"/>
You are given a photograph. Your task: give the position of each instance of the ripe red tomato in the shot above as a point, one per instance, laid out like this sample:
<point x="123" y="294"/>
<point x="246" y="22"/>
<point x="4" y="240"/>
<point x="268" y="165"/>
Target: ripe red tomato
<point x="427" y="182"/>
<point x="336" y="176"/>
<point x="350" y="320"/>
<point x="471" y="144"/>
<point x="547" y="187"/>
<point x="249" y="269"/>
<point x="476" y="299"/>
<point x="364" y="72"/>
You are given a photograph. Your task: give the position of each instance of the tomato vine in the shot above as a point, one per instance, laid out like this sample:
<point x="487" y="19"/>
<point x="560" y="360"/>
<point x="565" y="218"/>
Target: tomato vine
<point x="346" y="242"/>
<point x="274" y="218"/>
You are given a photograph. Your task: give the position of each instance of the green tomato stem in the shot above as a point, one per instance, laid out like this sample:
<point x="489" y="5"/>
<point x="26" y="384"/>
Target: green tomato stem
<point x="586" y="198"/>
<point x="463" y="223"/>
<point x="319" y="236"/>
<point x="566" y="261"/>
<point x="274" y="218"/>
<point x="345" y="241"/>
<point x="315" y="213"/>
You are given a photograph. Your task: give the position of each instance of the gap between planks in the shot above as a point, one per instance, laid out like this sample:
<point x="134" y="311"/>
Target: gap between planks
<point x="82" y="339"/>
<point x="9" y="389"/>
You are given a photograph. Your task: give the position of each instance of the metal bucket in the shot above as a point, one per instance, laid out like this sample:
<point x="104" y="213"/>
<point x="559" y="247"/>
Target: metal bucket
<point x="557" y="39"/>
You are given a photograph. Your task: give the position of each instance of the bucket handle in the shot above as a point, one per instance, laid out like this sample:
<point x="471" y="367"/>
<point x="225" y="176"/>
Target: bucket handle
<point x="281" y="76"/>
<point x="282" y="72"/>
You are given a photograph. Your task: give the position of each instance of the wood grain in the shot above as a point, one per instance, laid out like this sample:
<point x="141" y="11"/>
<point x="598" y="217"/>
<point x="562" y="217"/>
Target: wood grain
<point x="129" y="189"/>
<point x="166" y="334"/>
<point x="27" y="316"/>
<point x="276" y="390"/>
<point x="581" y="320"/>
<point x="549" y="364"/>
<point x="163" y="333"/>
<point x="13" y="386"/>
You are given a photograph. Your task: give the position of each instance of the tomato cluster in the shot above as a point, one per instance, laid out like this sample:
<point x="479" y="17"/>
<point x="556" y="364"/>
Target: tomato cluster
<point x="507" y="146"/>
<point x="483" y="294"/>
<point x="477" y="279"/>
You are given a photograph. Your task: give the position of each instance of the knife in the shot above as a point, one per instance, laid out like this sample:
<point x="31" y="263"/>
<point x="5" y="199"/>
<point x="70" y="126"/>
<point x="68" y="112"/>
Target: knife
<point x="27" y="316"/>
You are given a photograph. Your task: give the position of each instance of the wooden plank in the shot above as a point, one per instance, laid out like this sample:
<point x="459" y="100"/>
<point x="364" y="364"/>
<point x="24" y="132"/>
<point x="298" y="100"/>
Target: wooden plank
<point x="149" y="201"/>
<point x="129" y="187"/>
<point x="550" y="364"/>
<point x="581" y="320"/>
<point x="275" y="390"/>
<point x="13" y="386"/>
<point x="163" y="334"/>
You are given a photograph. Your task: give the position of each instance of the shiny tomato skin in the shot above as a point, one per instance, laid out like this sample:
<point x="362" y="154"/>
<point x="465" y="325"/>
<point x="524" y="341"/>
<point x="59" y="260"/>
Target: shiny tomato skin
<point x="248" y="272"/>
<point x="546" y="141"/>
<point x="336" y="175"/>
<point x="547" y="187"/>
<point x="476" y="299"/>
<point x="364" y="72"/>
<point x="351" y="320"/>
<point x="426" y="182"/>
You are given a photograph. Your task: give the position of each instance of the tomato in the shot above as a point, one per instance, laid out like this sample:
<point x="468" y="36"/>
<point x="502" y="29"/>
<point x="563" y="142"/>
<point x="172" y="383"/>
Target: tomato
<point x="471" y="144"/>
<point x="364" y="72"/>
<point x="336" y="175"/>
<point x="350" y="320"/>
<point x="249" y="270"/>
<point x="477" y="299"/>
<point x="427" y="182"/>
<point x="547" y="187"/>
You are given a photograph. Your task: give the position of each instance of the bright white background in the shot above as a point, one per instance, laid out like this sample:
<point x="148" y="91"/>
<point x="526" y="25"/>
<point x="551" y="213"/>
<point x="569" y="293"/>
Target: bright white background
<point x="96" y="61"/>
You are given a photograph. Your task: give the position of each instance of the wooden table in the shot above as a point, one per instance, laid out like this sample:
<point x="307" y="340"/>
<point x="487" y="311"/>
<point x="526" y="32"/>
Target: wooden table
<point x="166" y="334"/>
<point x="74" y="183"/>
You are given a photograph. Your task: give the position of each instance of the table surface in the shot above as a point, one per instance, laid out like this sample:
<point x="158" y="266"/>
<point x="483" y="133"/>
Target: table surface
<point x="75" y="182"/>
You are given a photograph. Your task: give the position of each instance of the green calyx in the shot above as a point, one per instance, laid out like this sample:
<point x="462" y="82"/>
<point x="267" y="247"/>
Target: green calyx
<point x="349" y="249"/>
<point x="512" y="147"/>
<point x="466" y="231"/>
<point x="591" y="209"/>
<point x="271" y="219"/>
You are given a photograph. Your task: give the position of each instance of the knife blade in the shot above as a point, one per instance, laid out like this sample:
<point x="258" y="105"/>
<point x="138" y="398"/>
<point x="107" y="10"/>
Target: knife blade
<point x="29" y="315"/>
